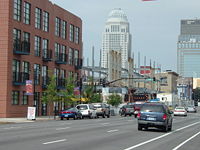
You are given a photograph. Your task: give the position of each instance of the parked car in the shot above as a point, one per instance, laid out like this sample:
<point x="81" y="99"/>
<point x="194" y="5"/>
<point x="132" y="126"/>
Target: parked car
<point x="87" y="110"/>
<point x="137" y="107"/>
<point x="191" y="109"/>
<point x="70" y="113"/>
<point x="155" y="115"/>
<point x="127" y="110"/>
<point x="180" y="111"/>
<point x="102" y="109"/>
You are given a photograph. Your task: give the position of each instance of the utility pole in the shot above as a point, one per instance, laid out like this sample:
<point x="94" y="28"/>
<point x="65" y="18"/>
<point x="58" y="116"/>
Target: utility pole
<point x="93" y="67"/>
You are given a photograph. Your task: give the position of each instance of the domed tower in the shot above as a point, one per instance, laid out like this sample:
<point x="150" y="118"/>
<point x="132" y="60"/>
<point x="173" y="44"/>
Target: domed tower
<point x="116" y="37"/>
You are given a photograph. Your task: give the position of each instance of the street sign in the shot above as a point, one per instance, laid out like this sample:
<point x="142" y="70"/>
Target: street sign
<point x="29" y="87"/>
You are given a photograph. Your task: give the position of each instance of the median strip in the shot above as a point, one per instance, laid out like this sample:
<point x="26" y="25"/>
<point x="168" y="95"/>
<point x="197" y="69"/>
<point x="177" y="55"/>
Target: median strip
<point x="55" y="141"/>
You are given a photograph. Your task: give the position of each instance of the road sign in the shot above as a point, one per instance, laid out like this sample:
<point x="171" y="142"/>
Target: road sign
<point x="31" y="113"/>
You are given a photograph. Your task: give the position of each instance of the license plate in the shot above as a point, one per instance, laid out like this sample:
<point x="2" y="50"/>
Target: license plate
<point x="66" y="115"/>
<point x="150" y="118"/>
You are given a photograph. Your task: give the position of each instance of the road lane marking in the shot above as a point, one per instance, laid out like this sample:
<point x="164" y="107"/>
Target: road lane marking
<point x="186" y="141"/>
<point x="62" y="128"/>
<point x="104" y="124"/>
<point x="112" y="131"/>
<point x="55" y="141"/>
<point x="13" y="128"/>
<point x="159" y="137"/>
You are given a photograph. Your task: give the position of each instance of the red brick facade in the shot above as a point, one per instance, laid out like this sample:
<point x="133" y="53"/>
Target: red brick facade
<point x="7" y="55"/>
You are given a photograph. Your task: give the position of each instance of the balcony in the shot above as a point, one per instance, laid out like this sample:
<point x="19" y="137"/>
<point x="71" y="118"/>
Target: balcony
<point x="19" y="78"/>
<point x="47" y="55"/>
<point x="21" y="47"/>
<point x="45" y="82"/>
<point x="60" y="83"/>
<point x="78" y="63"/>
<point x="61" y="59"/>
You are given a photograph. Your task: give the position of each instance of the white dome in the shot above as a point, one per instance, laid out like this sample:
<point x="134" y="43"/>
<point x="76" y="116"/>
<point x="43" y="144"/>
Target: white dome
<point x="117" y="15"/>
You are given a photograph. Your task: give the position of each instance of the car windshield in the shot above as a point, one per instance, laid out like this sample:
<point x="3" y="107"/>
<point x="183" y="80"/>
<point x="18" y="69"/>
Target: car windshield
<point x="71" y="109"/>
<point x="179" y="108"/>
<point x="97" y="106"/>
<point x="152" y="108"/>
<point x="83" y="107"/>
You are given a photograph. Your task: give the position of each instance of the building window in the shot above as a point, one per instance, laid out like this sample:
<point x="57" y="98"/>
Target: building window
<point x="57" y="50"/>
<point x="76" y="35"/>
<point x="76" y="57"/>
<point x="16" y="40"/>
<point x="38" y="14"/>
<point x="17" y="10"/>
<point x="45" y="46"/>
<point x="26" y="37"/>
<point x="37" y="45"/>
<point x="16" y="34"/>
<point x="71" y="33"/>
<point x="44" y="75"/>
<point x="25" y="67"/>
<point x="27" y="13"/>
<point x="70" y="56"/>
<point x="63" y="52"/>
<point x="15" y="97"/>
<point x="62" y="74"/>
<point x="36" y="74"/>
<point x="57" y="26"/>
<point x="45" y="21"/>
<point x="16" y="70"/>
<point x="64" y="30"/>
<point x="24" y="99"/>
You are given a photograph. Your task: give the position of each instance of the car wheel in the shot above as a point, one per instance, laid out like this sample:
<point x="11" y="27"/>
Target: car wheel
<point x="103" y="116"/>
<point x="139" y="127"/>
<point x="61" y="118"/>
<point x="67" y="118"/>
<point x="165" y="128"/>
<point x="108" y="116"/>
<point x="170" y="128"/>
<point x="90" y="116"/>
<point x="125" y="115"/>
<point x="130" y="115"/>
<point x="135" y="116"/>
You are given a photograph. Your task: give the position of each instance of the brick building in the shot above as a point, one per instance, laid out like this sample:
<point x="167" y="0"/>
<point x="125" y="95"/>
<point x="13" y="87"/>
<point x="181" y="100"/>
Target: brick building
<point x="35" y="36"/>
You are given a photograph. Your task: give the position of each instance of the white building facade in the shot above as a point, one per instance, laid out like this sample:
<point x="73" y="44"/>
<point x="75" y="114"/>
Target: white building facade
<point x="116" y="37"/>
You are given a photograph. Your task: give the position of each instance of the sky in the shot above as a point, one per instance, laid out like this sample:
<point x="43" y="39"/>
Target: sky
<point x="154" y="26"/>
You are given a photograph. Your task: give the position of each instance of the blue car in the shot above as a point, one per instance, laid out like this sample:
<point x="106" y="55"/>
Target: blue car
<point x="70" y="113"/>
<point x="155" y="115"/>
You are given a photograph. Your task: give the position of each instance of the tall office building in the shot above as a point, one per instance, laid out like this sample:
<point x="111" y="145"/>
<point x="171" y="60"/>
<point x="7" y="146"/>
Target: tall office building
<point x="188" y="49"/>
<point x="116" y="37"/>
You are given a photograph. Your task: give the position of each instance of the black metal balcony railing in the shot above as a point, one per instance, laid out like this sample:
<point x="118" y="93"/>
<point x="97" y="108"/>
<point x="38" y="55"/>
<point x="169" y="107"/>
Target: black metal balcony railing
<point x="45" y="82"/>
<point x="47" y="55"/>
<point x="19" y="78"/>
<point x="78" y="63"/>
<point x="61" y="59"/>
<point x="60" y="83"/>
<point x="21" y="47"/>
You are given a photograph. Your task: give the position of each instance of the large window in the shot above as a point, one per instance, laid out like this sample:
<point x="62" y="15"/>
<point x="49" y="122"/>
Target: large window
<point x="57" y="26"/>
<point x="16" y="34"/>
<point x="45" y="21"/>
<point x="24" y="99"/>
<point x="57" y="50"/>
<point x="71" y="33"/>
<point x="64" y="30"/>
<point x="17" y="10"/>
<point x="76" y="57"/>
<point x="25" y="67"/>
<point x="62" y="74"/>
<point x="27" y="13"/>
<point x="45" y="46"/>
<point x="26" y="36"/>
<point x="15" y="97"/>
<point x="70" y="56"/>
<point x="38" y="17"/>
<point x="77" y="35"/>
<point x="37" y="45"/>
<point x="36" y="74"/>
<point x="63" y="52"/>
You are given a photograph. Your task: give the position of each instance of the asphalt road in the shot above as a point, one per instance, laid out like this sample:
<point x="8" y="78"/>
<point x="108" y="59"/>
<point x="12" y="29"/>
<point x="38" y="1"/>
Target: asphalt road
<point x="115" y="133"/>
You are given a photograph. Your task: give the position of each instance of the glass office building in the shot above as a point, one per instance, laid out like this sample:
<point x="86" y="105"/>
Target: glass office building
<point x="188" y="49"/>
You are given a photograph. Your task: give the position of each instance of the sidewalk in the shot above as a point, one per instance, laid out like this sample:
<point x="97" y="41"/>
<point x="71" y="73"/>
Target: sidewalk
<point x="23" y="120"/>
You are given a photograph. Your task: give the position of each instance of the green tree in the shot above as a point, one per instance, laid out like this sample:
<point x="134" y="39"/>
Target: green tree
<point x="88" y="92"/>
<point x="96" y="98"/>
<point x="50" y="95"/>
<point x="114" y="100"/>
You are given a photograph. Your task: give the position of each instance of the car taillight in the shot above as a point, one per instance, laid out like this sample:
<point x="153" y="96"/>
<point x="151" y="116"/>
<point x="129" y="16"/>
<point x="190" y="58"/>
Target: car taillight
<point x="164" y="117"/>
<point x="139" y="115"/>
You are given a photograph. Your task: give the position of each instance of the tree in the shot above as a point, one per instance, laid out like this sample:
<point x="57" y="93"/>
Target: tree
<point x="114" y="100"/>
<point x="50" y="95"/>
<point x="96" y="98"/>
<point x="88" y="92"/>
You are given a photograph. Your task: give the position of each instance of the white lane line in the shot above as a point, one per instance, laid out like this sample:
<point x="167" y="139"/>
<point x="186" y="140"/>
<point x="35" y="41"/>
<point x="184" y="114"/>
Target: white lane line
<point x="104" y="124"/>
<point x="13" y="128"/>
<point x="186" y="141"/>
<point x="159" y="137"/>
<point x="62" y="128"/>
<point x="112" y="131"/>
<point x="55" y="141"/>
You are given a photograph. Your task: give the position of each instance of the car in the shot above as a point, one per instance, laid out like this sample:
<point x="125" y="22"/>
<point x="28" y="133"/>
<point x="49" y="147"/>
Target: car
<point x="137" y="107"/>
<point x="70" y="113"/>
<point x="191" y="109"/>
<point x="102" y="109"/>
<point x="87" y="110"/>
<point x="180" y="111"/>
<point x="155" y="115"/>
<point x="127" y="110"/>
